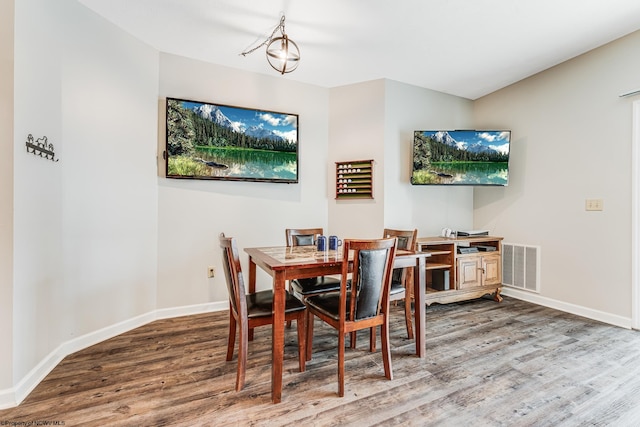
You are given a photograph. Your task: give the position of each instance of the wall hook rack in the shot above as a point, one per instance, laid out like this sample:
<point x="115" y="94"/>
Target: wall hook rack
<point x="40" y="147"/>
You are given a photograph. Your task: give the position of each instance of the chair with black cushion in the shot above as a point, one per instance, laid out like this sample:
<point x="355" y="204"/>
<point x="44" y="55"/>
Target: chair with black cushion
<point x="364" y="304"/>
<point x="313" y="285"/>
<point x="401" y="281"/>
<point x="247" y="311"/>
<point x="302" y="288"/>
<point x="402" y="278"/>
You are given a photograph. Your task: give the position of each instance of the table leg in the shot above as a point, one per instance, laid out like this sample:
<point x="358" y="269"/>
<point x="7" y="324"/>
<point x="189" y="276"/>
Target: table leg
<point x="252" y="275"/>
<point x="277" y="339"/>
<point x="252" y="288"/>
<point x="420" y="289"/>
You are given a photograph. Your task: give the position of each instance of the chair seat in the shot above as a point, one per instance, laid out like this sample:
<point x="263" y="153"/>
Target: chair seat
<point x="314" y="285"/>
<point x="261" y="304"/>
<point x="396" y="288"/>
<point x="327" y="303"/>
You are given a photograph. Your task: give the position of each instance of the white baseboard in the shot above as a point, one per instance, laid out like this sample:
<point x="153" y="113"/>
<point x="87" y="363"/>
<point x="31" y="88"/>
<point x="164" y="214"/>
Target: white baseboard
<point x="12" y="397"/>
<point x="589" y="313"/>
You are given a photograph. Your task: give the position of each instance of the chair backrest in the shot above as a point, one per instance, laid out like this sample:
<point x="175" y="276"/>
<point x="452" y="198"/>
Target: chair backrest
<point x="302" y="236"/>
<point x="233" y="273"/>
<point x="371" y="275"/>
<point x="407" y="240"/>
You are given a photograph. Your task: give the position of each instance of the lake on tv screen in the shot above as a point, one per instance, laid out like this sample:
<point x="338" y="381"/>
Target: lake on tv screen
<point x="255" y="164"/>
<point x="469" y="173"/>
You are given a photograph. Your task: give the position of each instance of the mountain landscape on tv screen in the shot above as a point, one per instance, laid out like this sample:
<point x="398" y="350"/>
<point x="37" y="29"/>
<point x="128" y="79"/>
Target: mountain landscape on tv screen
<point x="488" y="143"/>
<point x="461" y="157"/>
<point x="214" y="114"/>
<point x="225" y="142"/>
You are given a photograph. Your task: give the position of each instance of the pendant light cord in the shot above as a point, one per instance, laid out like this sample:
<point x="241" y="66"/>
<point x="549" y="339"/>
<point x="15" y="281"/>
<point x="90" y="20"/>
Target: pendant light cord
<point x="280" y="27"/>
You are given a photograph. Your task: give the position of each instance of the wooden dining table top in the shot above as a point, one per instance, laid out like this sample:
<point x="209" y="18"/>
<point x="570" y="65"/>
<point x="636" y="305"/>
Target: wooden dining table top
<point x="287" y="256"/>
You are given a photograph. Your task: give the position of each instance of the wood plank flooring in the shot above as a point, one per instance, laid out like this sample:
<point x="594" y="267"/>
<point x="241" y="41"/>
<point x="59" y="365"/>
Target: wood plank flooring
<point x="488" y="364"/>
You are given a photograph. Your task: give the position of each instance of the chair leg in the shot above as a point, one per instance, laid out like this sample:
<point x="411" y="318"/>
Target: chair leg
<point x="386" y="350"/>
<point x="301" y="325"/>
<point x="407" y="316"/>
<point x="232" y="336"/>
<point x="352" y="339"/>
<point x="289" y="321"/>
<point x="243" y="350"/>
<point x="372" y="339"/>
<point x="309" y="334"/>
<point x="408" y="297"/>
<point x="341" y="364"/>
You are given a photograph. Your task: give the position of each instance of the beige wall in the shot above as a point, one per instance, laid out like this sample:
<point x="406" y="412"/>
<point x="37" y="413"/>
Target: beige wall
<point x="571" y="141"/>
<point x="427" y="208"/>
<point x="356" y="132"/>
<point x="6" y="192"/>
<point x="192" y="213"/>
<point x="375" y="120"/>
<point x="85" y="227"/>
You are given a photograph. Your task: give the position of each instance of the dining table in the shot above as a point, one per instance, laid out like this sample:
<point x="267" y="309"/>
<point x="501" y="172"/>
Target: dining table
<point x="284" y="263"/>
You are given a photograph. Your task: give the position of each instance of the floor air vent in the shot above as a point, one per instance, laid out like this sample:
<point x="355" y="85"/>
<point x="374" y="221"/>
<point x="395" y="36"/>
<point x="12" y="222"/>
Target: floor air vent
<point x="521" y="266"/>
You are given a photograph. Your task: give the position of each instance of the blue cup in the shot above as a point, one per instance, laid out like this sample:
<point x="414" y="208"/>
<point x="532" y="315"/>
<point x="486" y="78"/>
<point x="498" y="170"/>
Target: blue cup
<point x="322" y="243"/>
<point x="334" y="242"/>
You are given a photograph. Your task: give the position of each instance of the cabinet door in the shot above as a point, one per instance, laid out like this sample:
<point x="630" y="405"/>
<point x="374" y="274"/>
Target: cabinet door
<point x="491" y="267"/>
<point x="469" y="272"/>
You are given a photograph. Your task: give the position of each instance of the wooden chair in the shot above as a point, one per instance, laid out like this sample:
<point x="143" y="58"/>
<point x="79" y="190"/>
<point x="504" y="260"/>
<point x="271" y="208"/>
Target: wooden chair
<point x="402" y="278"/>
<point x="302" y="288"/>
<point x="247" y="311"/>
<point x="401" y="281"/>
<point x="365" y="304"/>
<point x="313" y="285"/>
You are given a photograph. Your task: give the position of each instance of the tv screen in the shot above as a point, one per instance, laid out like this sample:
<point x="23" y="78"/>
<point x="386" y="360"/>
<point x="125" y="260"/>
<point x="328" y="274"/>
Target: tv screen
<point x="461" y="157"/>
<point x="215" y="141"/>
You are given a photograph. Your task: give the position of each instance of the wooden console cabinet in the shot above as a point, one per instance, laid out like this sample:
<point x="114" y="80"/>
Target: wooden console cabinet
<point x="453" y="275"/>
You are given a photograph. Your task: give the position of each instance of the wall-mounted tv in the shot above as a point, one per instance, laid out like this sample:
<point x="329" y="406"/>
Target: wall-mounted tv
<point x="215" y="141"/>
<point x="461" y="157"/>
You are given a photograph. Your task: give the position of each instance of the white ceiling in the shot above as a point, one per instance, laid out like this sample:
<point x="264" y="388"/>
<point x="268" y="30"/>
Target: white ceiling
<point x="467" y="48"/>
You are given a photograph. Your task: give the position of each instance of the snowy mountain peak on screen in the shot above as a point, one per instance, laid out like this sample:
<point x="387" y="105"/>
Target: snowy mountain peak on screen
<point x="479" y="148"/>
<point x="262" y="133"/>
<point x="444" y="138"/>
<point x="213" y="113"/>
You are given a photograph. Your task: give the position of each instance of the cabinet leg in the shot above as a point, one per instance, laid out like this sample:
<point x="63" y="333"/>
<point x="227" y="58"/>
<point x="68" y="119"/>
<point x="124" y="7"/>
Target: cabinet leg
<point x="497" y="297"/>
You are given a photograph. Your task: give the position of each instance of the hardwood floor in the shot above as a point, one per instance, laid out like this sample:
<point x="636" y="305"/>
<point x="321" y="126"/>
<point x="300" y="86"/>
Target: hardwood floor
<point x="488" y="364"/>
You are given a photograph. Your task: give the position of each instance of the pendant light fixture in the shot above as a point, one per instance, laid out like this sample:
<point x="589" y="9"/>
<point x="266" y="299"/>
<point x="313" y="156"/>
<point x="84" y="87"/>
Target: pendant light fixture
<point x="283" y="54"/>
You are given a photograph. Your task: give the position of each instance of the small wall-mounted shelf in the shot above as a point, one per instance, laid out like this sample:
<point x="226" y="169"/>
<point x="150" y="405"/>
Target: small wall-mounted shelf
<point x="354" y="179"/>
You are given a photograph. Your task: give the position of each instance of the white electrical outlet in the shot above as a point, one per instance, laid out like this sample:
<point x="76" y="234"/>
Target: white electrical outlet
<point x="211" y="272"/>
<point x="593" y="205"/>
